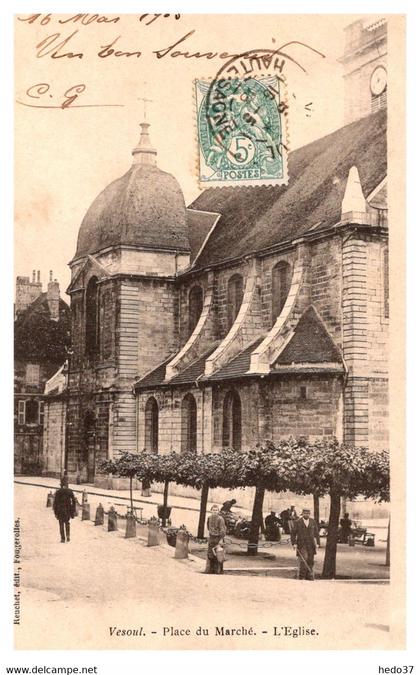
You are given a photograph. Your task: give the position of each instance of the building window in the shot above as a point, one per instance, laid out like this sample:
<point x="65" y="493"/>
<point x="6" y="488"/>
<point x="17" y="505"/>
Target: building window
<point x="21" y="412"/>
<point x="32" y="374"/>
<point x="41" y="412"/>
<point x="188" y="424"/>
<point x="195" y="306"/>
<point x="386" y="282"/>
<point x="32" y="412"/>
<point x="91" y="323"/>
<point x="281" y="277"/>
<point x="235" y="294"/>
<point x="152" y="425"/>
<point x="232" y="421"/>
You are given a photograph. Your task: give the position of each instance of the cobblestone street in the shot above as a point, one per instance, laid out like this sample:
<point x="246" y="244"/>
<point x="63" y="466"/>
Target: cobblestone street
<point x="75" y="594"/>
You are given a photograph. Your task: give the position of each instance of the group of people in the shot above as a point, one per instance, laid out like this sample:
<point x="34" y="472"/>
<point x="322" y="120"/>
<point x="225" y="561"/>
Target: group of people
<point x="303" y="531"/>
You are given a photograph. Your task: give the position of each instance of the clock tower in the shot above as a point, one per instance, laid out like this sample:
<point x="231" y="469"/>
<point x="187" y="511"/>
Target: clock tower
<point x="365" y="67"/>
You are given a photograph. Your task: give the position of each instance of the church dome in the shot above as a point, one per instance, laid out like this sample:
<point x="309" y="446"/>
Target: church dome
<point x="145" y="208"/>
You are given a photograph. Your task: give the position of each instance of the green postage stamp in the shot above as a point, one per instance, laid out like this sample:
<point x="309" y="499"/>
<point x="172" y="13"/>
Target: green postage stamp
<point x="241" y="132"/>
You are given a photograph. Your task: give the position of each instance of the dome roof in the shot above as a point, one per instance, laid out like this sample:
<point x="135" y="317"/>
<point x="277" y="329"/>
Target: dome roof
<point x="145" y="207"/>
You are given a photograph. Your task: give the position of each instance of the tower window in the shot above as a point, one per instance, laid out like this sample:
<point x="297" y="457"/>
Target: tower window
<point x="281" y="277"/>
<point x="91" y="323"/>
<point x="188" y="424"/>
<point x="195" y="306"/>
<point x="152" y="425"/>
<point x="235" y="294"/>
<point x="232" y="421"/>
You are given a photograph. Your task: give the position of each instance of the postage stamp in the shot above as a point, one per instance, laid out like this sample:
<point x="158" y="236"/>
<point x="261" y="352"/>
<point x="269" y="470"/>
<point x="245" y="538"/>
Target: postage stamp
<point x="241" y="131"/>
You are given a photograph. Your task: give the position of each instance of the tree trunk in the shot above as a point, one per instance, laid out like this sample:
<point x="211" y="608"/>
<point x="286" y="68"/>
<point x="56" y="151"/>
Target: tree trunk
<point x="329" y="568"/>
<point x="388" y="545"/>
<point x="203" y="509"/>
<point x="165" y="502"/>
<point x="131" y="494"/>
<point x="257" y="519"/>
<point x="316" y="509"/>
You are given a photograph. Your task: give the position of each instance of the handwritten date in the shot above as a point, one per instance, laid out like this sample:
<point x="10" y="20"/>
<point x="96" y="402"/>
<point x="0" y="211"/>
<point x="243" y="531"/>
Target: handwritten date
<point x="86" y="19"/>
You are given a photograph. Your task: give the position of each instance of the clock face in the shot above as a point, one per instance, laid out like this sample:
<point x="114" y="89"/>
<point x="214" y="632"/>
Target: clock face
<point x="378" y="81"/>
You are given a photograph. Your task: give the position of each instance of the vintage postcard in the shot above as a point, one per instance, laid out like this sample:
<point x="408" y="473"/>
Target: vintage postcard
<point x="209" y="332"/>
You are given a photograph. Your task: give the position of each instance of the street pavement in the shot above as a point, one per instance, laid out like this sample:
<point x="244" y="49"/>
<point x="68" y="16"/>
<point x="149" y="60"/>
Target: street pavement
<point x="78" y="595"/>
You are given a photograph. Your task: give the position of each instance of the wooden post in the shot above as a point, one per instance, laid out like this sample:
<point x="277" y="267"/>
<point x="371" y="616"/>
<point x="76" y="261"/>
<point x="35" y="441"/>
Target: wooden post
<point x="388" y="546"/>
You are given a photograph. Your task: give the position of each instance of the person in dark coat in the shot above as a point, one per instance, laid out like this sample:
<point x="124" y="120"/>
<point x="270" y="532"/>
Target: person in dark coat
<point x="345" y="525"/>
<point x="64" y="508"/>
<point x="272" y="530"/>
<point x="288" y="516"/>
<point x="226" y="506"/>
<point x="305" y="537"/>
<point x="217" y="531"/>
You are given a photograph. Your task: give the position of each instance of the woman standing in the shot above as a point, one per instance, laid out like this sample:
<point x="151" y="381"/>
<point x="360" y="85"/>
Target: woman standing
<point x="217" y="531"/>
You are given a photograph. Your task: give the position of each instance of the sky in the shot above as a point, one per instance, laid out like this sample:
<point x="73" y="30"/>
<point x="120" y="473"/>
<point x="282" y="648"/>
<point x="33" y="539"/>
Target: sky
<point x="65" y="157"/>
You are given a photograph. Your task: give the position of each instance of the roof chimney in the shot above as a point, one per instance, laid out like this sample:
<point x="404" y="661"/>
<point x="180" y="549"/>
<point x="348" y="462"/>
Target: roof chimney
<point x="38" y="277"/>
<point x="33" y="276"/>
<point x="53" y="298"/>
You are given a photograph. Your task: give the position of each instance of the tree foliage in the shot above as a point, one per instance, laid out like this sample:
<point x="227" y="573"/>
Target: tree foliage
<point x="324" y="467"/>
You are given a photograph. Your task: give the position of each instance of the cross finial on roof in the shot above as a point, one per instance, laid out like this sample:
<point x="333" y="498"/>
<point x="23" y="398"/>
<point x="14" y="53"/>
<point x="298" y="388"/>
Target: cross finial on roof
<point x="145" y="101"/>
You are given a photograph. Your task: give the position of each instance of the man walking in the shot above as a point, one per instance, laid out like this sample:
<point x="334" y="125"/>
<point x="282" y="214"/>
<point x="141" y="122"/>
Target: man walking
<point x="305" y="537"/>
<point x="64" y="508"/>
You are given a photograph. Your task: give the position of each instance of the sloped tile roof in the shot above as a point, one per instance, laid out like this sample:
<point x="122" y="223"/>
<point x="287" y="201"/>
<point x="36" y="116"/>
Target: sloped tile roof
<point x="199" y="225"/>
<point x="254" y="218"/>
<point x="193" y="371"/>
<point x="238" y="366"/>
<point x="311" y="343"/>
<point x="156" y="377"/>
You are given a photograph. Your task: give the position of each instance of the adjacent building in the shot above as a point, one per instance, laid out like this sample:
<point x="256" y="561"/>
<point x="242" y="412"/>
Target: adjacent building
<point x="42" y="337"/>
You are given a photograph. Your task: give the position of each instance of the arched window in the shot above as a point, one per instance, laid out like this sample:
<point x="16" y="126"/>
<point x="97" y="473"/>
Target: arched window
<point x="232" y="421"/>
<point x="188" y="424"/>
<point x="195" y="306"/>
<point x="91" y="323"/>
<point x="235" y="294"/>
<point x="152" y="425"/>
<point x="281" y="277"/>
<point x="105" y="328"/>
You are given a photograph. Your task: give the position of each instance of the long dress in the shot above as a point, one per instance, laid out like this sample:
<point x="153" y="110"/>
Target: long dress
<point x="217" y="531"/>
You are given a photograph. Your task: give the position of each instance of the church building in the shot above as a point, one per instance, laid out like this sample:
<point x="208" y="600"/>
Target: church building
<point x="254" y="313"/>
